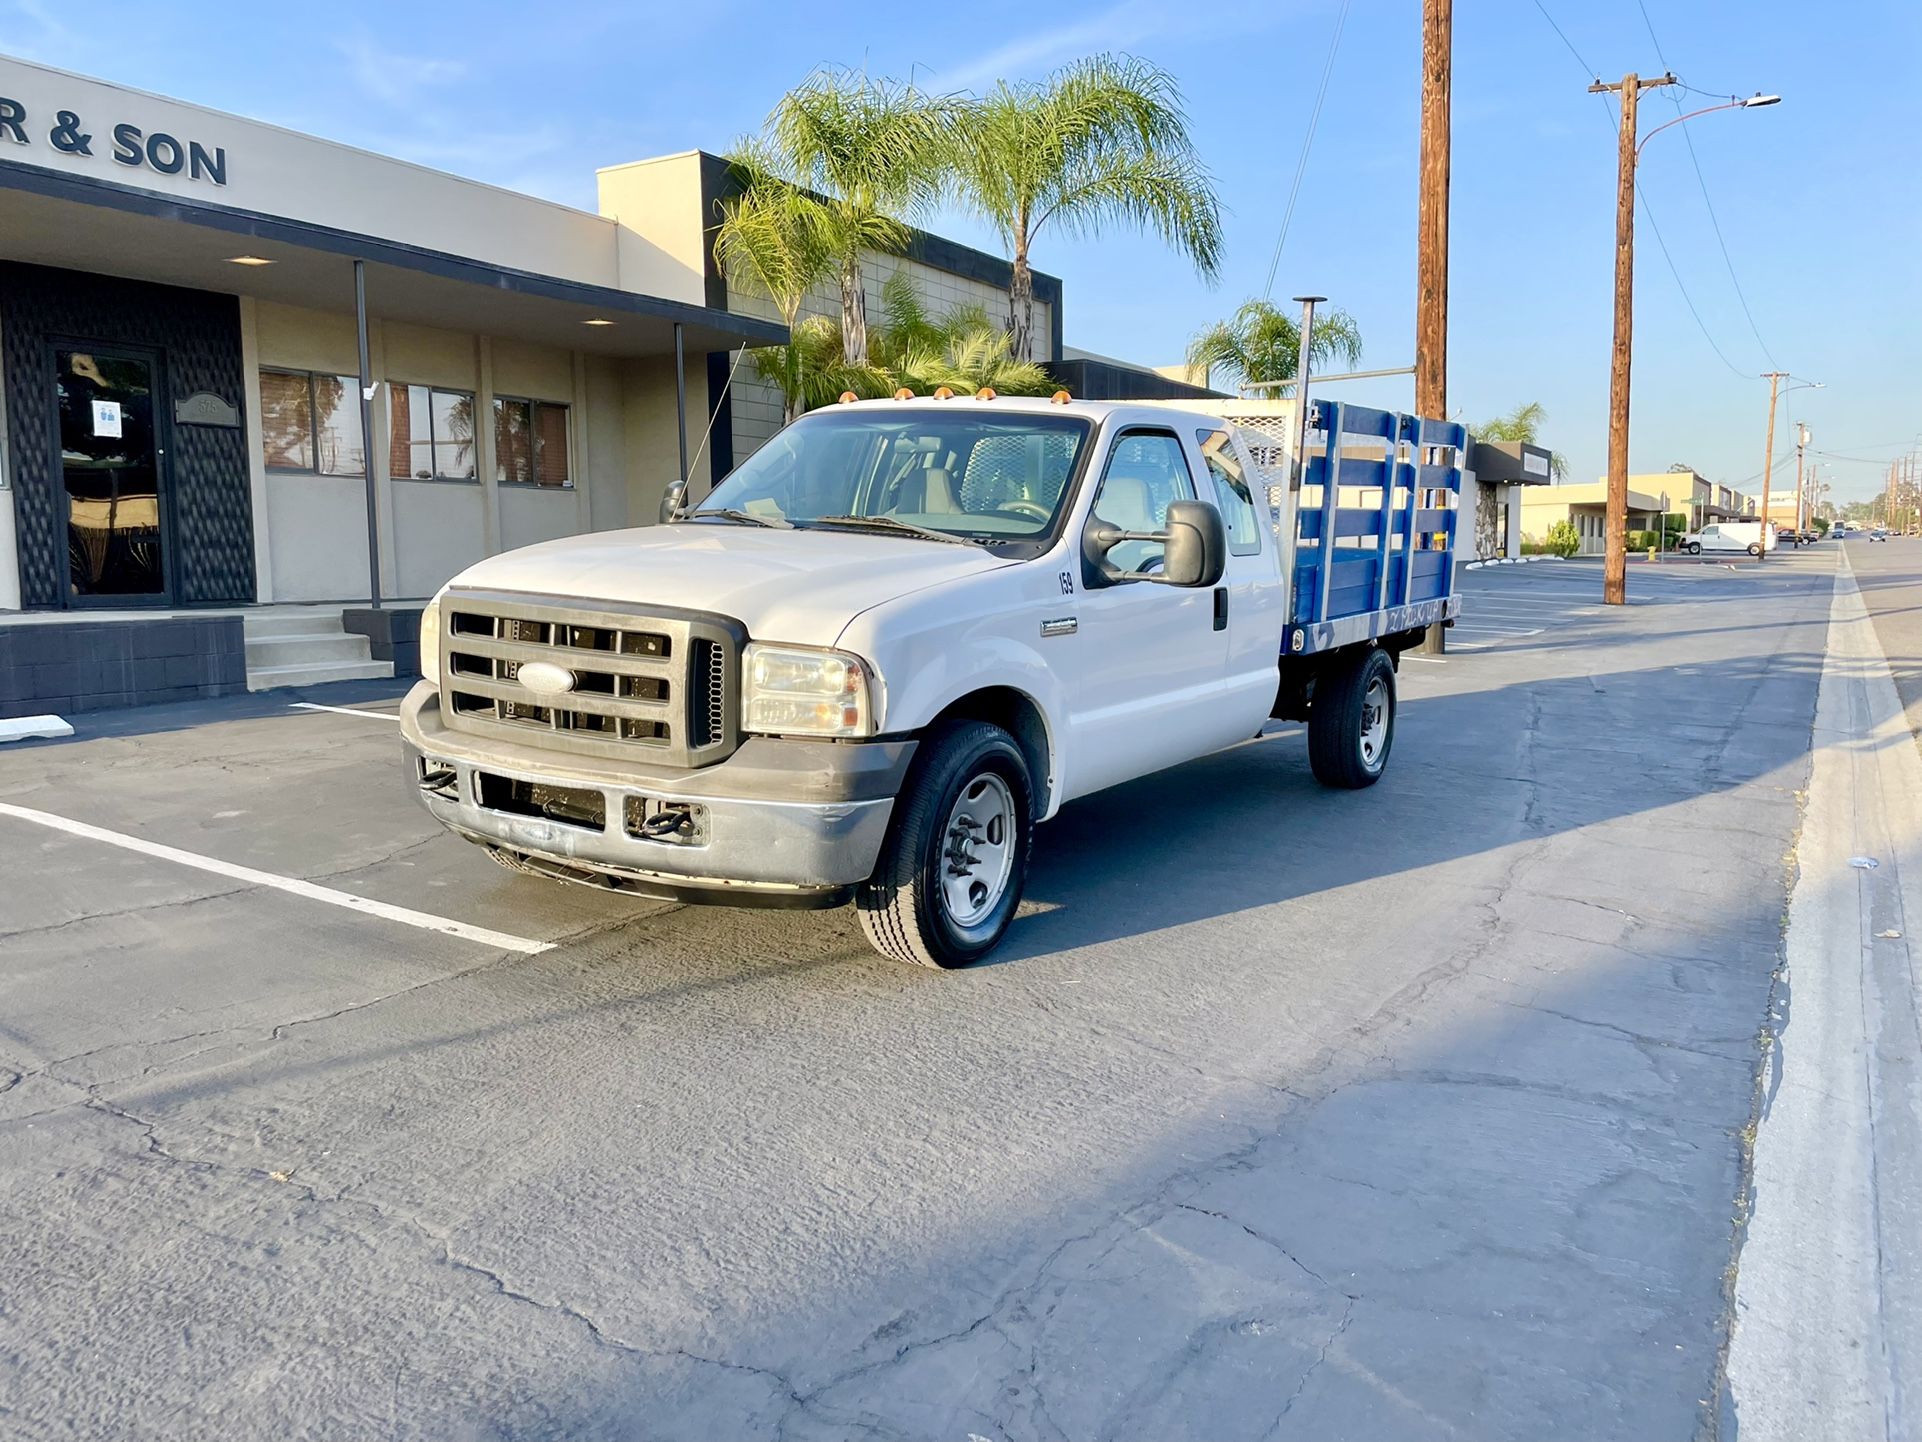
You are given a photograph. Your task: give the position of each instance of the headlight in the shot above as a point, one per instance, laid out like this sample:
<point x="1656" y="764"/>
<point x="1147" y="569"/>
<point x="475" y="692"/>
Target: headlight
<point x="799" y="691"/>
<point x="430" y="641"/>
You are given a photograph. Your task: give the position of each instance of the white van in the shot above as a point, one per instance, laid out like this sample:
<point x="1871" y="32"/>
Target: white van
<point x="1751" y="537"/>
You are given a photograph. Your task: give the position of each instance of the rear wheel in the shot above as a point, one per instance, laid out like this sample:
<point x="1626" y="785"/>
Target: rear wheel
<point x="1351" y="726"/>
<point x="1755" y="548"/>
<point x="956" y="855"/>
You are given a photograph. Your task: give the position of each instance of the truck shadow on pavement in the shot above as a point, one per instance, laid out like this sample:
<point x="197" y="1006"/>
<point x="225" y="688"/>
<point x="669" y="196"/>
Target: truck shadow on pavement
<point x="1472" y="772"/>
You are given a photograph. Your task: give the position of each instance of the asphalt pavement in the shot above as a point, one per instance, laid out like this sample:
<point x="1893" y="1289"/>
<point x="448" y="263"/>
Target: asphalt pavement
<point x="1413" y="1112"/>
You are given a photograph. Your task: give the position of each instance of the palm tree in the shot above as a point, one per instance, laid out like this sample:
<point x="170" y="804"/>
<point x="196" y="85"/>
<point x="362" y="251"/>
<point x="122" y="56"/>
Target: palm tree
<point x="873" y="152"/>
<point x="963" y="349"/>
<point x="774" y="239"/>
<point x="809" y="370"/>
<point x="1100" y="142"/>
<point x="1260" y="343"/>
<point x="1523" y="424"/>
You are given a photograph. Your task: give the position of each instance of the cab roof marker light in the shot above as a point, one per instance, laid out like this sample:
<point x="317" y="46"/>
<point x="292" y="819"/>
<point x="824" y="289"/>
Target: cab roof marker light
<point x="1059" y="398"/>
<point x="904" y="394"/>
<point x="944" y="393"/>
<point x="847" y="398"/>
<point x="986" y="393"/>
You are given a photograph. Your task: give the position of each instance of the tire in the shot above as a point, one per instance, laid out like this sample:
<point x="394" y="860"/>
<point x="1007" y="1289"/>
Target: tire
<point x="1755" y="548"/>
<point x="1694" y="548"/>
<point x="917" y="908"/>
<point x="1346" y="748"/>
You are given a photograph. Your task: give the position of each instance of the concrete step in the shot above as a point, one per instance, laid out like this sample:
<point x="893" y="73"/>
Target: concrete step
<point x="298" y="622"/>
<point x="268" y="678"/>
<point x="295" y="650"/>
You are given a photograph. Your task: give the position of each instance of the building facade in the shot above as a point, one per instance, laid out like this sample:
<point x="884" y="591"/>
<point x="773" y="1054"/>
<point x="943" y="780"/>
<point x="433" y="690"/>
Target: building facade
<point x="181" y="416"/>
<point x="188" y="303"/>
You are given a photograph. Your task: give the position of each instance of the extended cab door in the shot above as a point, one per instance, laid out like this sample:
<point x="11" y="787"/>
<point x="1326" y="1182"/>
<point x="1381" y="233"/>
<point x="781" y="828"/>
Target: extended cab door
<point x="1145" y="662"/>
<point x="1251" y="602"/>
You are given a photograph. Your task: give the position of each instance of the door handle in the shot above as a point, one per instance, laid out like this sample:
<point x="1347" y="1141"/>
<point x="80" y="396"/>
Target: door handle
<point x="1221" y="608"/>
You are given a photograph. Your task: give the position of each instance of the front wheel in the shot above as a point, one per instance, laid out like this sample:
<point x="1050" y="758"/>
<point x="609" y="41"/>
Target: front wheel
<point x="1351" y="725"/>
<point x="956" y="854"/>
<point x="1694" y="548"/>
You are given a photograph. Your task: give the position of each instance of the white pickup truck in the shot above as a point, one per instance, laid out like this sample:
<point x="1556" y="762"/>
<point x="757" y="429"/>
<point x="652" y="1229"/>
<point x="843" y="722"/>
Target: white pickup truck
<point x="904" y="632"/>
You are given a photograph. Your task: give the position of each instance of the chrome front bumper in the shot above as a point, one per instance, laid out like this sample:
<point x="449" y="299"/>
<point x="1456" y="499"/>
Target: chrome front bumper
<point x="761" y="840"/>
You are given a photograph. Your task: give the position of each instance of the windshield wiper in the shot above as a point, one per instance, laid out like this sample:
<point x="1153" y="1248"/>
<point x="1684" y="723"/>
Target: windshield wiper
<point x="746" y="518"/>
<point x="889" y="523"/>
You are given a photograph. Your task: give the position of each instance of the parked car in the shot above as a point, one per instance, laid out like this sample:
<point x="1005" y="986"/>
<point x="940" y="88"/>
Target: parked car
<point x="1751" y="537"/>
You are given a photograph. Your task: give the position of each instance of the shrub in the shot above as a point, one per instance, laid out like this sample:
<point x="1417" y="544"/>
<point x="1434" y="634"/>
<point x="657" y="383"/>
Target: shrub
<point x="1563" y="540"/>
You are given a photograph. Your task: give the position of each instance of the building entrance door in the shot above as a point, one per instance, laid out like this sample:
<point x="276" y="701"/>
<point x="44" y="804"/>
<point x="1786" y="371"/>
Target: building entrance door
<point x="112" y="464"/>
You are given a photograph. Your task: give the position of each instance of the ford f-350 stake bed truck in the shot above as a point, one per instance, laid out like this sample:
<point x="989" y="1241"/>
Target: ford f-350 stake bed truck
<point x="905" y="631"/>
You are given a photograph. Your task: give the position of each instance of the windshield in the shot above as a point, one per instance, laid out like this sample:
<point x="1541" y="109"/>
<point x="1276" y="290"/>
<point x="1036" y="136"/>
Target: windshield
<point x="965" y="473"/>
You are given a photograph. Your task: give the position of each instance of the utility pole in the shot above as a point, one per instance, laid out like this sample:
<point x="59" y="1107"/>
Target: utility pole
<point x="1431" y="266"/>
<point x="1615" y="556"/>
<point x="1774" y="378"/>
<point x="1801" y="440"/>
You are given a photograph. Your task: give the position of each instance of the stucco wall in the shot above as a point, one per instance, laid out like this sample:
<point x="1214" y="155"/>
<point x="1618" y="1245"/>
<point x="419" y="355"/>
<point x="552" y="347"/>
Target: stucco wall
<point x="316" y="526"/>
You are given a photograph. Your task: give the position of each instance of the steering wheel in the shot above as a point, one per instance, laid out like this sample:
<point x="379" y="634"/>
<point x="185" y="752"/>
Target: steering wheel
<point x="1026" y="508"/>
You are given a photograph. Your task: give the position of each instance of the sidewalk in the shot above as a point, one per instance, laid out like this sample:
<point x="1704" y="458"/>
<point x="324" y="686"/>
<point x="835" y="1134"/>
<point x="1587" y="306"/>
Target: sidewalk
<point x="1828" y="1294"/>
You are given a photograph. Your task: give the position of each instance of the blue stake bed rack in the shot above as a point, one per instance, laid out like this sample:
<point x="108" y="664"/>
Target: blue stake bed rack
<point x="1386" y="563"/>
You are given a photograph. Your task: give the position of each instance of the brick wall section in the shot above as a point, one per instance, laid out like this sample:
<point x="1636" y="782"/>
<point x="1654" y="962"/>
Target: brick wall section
<point x="64" y="669"/>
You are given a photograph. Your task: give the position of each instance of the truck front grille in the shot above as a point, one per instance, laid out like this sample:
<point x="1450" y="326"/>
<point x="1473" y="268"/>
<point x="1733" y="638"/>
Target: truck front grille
<point x="655" y="684"/>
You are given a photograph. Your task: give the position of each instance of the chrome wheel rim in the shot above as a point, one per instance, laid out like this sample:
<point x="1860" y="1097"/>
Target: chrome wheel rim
<point x="1374" y="722"/>
<point x="977" y="849"/>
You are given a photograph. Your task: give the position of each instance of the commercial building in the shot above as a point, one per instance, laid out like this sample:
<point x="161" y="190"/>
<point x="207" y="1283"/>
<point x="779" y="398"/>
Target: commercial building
<point x="183" y="434"/>
<point x="1686" y="496"/>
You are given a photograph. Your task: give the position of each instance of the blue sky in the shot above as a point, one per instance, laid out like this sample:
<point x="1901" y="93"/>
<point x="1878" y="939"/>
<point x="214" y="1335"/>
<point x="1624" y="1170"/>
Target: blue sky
<point x="1817" y="198"/>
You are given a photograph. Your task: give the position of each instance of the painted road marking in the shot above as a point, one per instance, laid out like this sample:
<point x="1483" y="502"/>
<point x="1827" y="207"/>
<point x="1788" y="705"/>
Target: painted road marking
<point x="344" y="710"/>
<point x="407" y="916"/>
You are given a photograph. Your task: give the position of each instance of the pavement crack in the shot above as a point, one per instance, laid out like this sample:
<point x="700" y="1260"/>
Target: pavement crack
<point x="1301" y="1386"/>
<point x="1265" y="1240"/>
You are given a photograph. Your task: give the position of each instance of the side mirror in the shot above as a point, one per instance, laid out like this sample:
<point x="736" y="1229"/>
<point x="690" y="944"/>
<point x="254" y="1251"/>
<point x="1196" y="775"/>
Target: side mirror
<point x="1194" y="547"/>
<point x="672" y="499"/>
<point x="1197" y="545"/>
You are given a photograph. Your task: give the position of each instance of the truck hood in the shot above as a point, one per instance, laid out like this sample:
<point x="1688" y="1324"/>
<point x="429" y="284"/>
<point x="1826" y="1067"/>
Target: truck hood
<point x="799" y="586"/>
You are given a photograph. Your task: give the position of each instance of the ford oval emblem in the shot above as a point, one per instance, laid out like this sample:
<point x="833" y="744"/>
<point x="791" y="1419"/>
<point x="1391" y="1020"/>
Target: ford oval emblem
<point x="544" y="678"/>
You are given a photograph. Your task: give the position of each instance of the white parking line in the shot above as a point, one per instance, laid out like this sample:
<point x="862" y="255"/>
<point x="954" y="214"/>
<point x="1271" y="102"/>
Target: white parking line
<point x="500" y="940"/>
<point x="1499" y="630"/>
<point x="344" y="710"/>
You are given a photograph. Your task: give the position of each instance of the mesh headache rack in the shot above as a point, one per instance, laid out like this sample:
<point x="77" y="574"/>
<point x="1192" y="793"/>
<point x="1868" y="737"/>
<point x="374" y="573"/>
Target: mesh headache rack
<point x="650" y="684"/>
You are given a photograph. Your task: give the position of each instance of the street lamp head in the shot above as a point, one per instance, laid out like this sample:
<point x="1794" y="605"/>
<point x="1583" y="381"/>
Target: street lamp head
<point x="1755" y="100"/>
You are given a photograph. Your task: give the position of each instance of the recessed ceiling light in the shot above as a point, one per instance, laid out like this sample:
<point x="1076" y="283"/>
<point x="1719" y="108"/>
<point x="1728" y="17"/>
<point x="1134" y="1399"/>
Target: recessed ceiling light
<point x="248" y="260"/>
<point x="597" y="321"/>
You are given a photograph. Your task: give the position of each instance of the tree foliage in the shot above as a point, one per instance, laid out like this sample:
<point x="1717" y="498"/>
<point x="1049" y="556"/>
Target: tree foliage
<point x="1260" y="342"/>
<point x="1100" y="143"/>
<point x="1524" y="424"/>
<point x="875" y="154"/>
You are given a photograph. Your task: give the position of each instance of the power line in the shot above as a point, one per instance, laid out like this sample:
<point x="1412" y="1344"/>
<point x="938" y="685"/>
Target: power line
<point x="1587" y="69"/>
<point x="1702" y="181"/>
<point x="1307" y="144"/>
<point x="1642" y="198"/>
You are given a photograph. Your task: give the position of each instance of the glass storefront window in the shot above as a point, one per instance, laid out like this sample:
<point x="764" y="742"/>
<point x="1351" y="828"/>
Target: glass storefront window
<point x="530" y="443"/>
<point x="311" y="422"/>
<point x="432" y="434"/>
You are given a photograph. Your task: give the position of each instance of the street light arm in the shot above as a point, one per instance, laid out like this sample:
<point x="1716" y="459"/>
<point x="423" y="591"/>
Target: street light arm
<point x="1731" y="104"/>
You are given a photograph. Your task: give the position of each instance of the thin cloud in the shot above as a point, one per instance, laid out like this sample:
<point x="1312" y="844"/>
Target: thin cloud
<point x="1122" y="27"/>
<point x="392" y="77"/>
